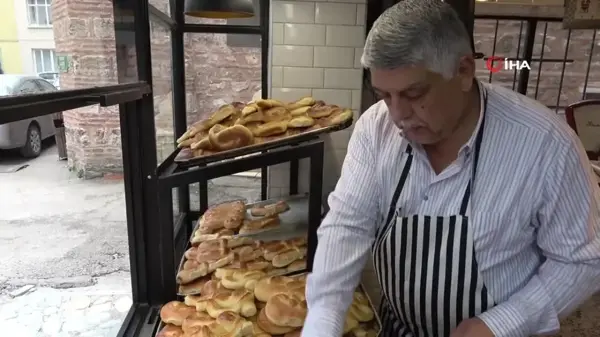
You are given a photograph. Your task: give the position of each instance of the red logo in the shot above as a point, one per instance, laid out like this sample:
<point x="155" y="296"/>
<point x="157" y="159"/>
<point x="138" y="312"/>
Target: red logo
<point x="494" y="64"/>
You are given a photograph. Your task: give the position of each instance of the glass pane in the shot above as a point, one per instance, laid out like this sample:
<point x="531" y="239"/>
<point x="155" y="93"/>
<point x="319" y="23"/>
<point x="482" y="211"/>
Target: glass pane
<point x="32" y="15"/>
<point x="41" y="15"/>
<point x="39" y="62"/>
<point x="161" y="5"/>
<point x="252" y="21"/>
<point x="49" y="11"/>
<point x="218" y="73"/>
<point x="48" y="60"/>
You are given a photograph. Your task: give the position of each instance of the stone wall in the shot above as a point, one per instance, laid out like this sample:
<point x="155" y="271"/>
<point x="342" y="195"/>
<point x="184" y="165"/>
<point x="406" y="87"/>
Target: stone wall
<point x="84" y="31"/>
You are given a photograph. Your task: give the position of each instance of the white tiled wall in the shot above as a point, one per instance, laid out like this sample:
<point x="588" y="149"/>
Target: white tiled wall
<point x="316" y="49"/>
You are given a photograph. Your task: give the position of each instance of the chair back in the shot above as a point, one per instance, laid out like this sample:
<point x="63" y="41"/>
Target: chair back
<point x="584" y="118"/>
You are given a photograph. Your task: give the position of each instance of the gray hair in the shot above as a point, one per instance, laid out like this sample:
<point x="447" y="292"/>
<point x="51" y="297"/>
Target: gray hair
<point x="417" y="32"/>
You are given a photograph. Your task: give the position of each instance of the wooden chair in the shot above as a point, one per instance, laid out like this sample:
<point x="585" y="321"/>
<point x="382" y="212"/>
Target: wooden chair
<point x="584" y="118"/>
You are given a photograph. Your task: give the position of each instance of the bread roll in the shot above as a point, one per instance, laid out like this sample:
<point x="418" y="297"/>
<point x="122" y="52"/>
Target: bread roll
<point x="239" y="301"/>
<point x="268" y="103"/>
<point x="350" y="324"/>
<point x="255" y="117"/>
<point x="194" y="287"/>
<point x="360" y="309"/>
<point x="276" y="114"/>
<point x="271" y="249"/>
<point x="295" y="333"/>
<point x="227" y="324"/>
<point x="270" y="129"/>
<point x="296" y="266"/>
<point x="286" y="310"/>
<point x="242" y="279"/>
<point x="268" y="326"/>
<point x="253" y="226"/>
<point x="300" y="111"/>
<point x="301" y="122"/>
<point x="193" y="269"/>
<point x="170" y="330"/>
<point x="338" y="116"/>
<point x="198" y="237"/>
<point x="269" y="286"/>
<point x="227" y="215"/>
<point x="175" y="312"/>
<point x="303" y="102"/>
<point x="285" y="258"/>
<point x="249" y="109"/>
<point x="320" y="110"/>
<point x="270" y="209"/>
<point x="226" y="138"/>
<point x="195" y="321"/>
<point x="203" y="144"/>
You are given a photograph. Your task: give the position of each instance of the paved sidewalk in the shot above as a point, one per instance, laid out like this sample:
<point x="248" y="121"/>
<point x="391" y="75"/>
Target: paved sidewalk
<point x="96" y="311"/>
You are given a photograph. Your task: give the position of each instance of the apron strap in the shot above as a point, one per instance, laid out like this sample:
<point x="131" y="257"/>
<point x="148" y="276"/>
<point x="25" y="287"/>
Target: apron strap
<point x="400" y="186"/>
<point x="478" y="140"/>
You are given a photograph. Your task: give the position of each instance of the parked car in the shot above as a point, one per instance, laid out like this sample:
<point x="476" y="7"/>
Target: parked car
<point x="26" y="135"/>
<point x="51" y="77"/>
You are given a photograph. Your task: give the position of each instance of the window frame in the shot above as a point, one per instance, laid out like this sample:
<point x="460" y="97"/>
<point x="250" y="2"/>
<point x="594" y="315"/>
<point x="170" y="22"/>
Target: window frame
<point x="245" y="40"/>
<point x="37" y="6"/>
<point x="52" y="59"/>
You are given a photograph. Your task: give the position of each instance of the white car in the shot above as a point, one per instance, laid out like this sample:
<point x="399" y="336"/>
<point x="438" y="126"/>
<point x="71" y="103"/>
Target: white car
<point x="51" y="77"/>
<point x="28" y="134"/>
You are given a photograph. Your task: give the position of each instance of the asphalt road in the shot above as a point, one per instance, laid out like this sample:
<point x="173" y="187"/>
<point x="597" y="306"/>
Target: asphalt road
<point x="61" y="231"/>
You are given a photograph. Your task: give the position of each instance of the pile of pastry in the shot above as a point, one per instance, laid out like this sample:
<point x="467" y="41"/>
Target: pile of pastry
<point x="238" y="125"/>
<point x="242" y="257"/>
<point x="254" y="307"/>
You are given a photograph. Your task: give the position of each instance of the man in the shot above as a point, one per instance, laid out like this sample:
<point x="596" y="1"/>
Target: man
<point x="479" y="204"/>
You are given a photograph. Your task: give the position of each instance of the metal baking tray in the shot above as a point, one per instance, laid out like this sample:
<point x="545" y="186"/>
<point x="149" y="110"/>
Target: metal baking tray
<point x="184" y="157"/>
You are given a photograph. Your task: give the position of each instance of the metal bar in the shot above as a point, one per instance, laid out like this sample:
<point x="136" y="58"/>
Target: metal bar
<point x="161" y="18"/>
<point x="294" y="176"/>
<point x="264" y="78"/>
<point x="225" y="168"/>
<point x="179" y="90"/>
<point x="315" y="191"/>
<point x="518" y="54"/>
<point x="494" y="47"/>
<point x="527" y="55"/>
<point x="16" y="108"/>
<point x="166" y="245"/>
<point x="221" y="29"/>
<point x="539" y="71"/>
<point x="562" y="73"/>
<point x="589" y="65"/>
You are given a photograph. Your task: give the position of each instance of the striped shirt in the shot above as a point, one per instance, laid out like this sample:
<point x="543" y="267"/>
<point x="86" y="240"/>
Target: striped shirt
<point x="535" y="212"/>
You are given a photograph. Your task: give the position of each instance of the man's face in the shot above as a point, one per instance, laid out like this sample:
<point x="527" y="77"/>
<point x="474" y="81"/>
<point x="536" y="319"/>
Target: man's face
<point x="426" y="106"/>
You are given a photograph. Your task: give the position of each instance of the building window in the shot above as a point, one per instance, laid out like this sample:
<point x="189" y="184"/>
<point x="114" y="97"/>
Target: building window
<point x="40" y="12"/>
<point x="44" y="60"/>
<point x="246" y="40"/>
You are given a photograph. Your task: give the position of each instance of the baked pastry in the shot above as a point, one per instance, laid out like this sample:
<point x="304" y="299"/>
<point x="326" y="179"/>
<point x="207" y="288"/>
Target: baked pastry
<point x="276" y="114"/>
<point x="170" y="330"/>
<point x="198" y="237"/>
<point x="226" y="324"/>
<point x="270" y="209"/>
<point x="360" y="309"/>
<point x="240" y="301"/>
<point x="175" y="312"/>
<point x="300" y="111"/>
<point x="194" y="322"/>
<point x="265" y="324"/>
<point x="286" y="310"/>
<point x="296" y="266"/>
<point x="249" y="109"/>
<point x="256" y="330"/>
<point x="274" y="248"/>
<point x="295" y="333"/>
<point x="255" y="117"/>
<point x="242" y="279"/>
<point x="205" y="262"/>
<point x="363" y="332"/>
<point x="320" y="110"/>
<point x="194" y="287"/>
<point x="303" y="102"/>
<point x="273" y="285"/>
<point x="268" y="103"/>
<point x="272" y="271"/>
<point x="247" y="253"/>
<point x="338" y="116"/>
<point x="350" y="324"/>
<point x="284" y="259"/>
<point x="203" y="144"/>
<point x="270" y="129"/>
<point x="224" y="138"/>
<point x="257" y="225"/>
<point x="227" y="215"/>
<point x="301" y="122"/>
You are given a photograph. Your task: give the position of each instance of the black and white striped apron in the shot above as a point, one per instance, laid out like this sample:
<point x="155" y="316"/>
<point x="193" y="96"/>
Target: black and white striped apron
<point x="426" y="266"/>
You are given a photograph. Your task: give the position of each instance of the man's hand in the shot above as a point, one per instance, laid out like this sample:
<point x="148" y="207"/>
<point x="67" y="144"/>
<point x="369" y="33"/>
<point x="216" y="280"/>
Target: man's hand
<point x="472" y="327"/>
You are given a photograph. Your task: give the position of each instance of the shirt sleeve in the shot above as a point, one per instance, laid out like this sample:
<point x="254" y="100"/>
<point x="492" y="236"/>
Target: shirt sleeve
<point x="569" y="239"/>
<point x="345" y="237"/>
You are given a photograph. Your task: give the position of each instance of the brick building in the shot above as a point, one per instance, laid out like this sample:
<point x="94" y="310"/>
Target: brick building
<point x="220" y="70"/>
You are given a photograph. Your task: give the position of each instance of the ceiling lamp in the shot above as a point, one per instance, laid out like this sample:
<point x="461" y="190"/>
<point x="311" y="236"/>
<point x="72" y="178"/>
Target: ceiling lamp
<point x="219" y="9"/>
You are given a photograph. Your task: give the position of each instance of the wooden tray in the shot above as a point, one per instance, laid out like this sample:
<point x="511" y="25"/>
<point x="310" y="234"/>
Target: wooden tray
<point x="184" y="158"/>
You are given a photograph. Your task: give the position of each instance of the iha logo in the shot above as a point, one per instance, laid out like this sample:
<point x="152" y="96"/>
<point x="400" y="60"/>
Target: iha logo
<point x="496" y="63"/>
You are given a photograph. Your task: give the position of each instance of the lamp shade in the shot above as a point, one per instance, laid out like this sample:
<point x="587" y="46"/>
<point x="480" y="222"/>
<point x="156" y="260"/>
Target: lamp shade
<point x="219" y="9"/>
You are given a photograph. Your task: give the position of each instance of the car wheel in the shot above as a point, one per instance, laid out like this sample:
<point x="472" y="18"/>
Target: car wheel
<point x="33" y="144"/>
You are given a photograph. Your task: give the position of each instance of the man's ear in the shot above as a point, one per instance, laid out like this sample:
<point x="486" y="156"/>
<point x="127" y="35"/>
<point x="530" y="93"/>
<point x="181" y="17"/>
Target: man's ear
<point x="466" y="72"/>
